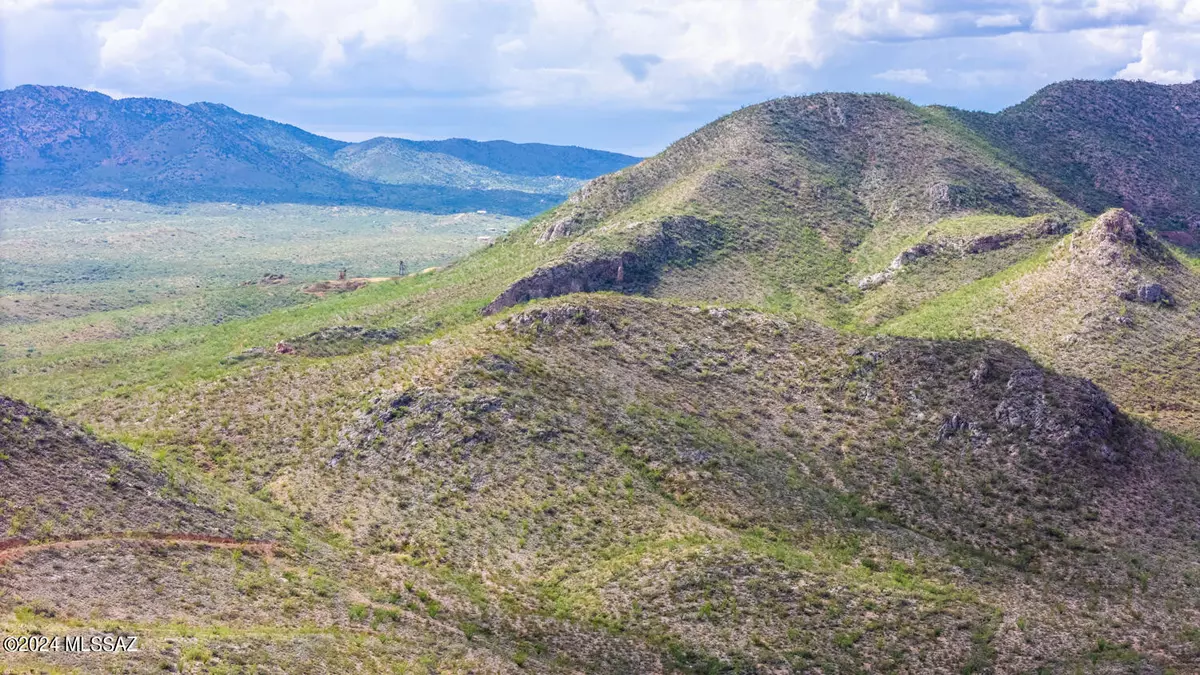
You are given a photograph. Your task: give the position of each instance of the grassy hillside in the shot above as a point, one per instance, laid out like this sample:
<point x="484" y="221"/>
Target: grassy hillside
<point x="1110" y="303"/>
<point x="862" y="212"/>
<point x="814" y="444"/>
<point x="724" y="487"/>
<point x="206" y="578"/>
<point x="852" y="210"/>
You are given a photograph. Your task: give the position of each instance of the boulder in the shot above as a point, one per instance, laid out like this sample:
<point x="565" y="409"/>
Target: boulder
<point x="877" y="279"/>
<point x="1151" y="293"/>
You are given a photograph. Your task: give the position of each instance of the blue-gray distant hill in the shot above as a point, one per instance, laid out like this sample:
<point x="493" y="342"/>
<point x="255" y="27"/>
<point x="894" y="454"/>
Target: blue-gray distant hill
<point x="66" y="141"/>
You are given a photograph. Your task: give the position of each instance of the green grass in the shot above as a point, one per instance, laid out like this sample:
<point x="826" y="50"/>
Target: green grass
<point x="955" y="315"/>
<point x="202" y="309"/>
<point x="1189" y="258"/>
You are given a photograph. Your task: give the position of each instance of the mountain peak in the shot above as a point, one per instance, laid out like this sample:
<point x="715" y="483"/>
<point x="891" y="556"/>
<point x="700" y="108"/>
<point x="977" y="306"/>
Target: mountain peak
<point x="59" y="92"/>
<point x="1119" y="238"/>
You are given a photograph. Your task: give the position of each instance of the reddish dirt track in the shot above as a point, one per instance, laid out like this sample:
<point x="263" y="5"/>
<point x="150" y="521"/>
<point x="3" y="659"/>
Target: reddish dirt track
<point x="11" y="549"/>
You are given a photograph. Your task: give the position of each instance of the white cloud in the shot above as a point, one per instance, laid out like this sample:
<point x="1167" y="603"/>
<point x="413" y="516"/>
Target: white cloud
<point x="697" y="48"/>
<point x="528" y="51"/>
<point x="639" y="53"/>
<point x="886" y="18"/>
<point x="1060" y="15"/>
<point x="999" y="21"/>
<point x="907" y="75"/>
<point x="1166" y="59"/>
<point x="14" y="6"/>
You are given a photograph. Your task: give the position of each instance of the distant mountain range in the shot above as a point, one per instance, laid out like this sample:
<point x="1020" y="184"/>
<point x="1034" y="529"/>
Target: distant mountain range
<point x="61" y="140"/>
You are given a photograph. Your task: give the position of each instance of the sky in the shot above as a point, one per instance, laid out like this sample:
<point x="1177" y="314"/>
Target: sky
<point x="623" y="75"/>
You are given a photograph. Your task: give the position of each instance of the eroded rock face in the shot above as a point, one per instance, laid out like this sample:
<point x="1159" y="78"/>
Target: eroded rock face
<point x="946" y="197"/>
<point x="906" y="257"/>
<point x="1053" y="225"/>
<point x="567" y="277"/>
<point x="1118" y="241"/>
<point x="550" y="317"/>
<point x="415" y="419"/>
<point x="337" y="340"/>
<point x="1024" y="403"/>
<point x="915" y="253"/>
<point x="951" y="426"/>
<point x="678" y="239"/>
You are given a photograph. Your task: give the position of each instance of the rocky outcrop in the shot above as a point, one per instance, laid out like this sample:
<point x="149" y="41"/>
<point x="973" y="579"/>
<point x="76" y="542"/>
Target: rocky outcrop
<point x="1049" y="225"/>
<point x="566" y="277"/>
<point x="951" y="426"/>
<point x="906" y="257"/>
<point x="1117" y="226"/>
<point x="679" y="239"/>
<point x="1065" y="412"/>
<point x="1117" y="238"/>
<point x="1132" y="260"/>
<point x="874" y="280"/>
<point x="1052" y="225"/>
<point x="563" y="227"/>
<point x="535" y="319"/>
<point x="915" y="253"/>
<point x="993" y="242"/>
